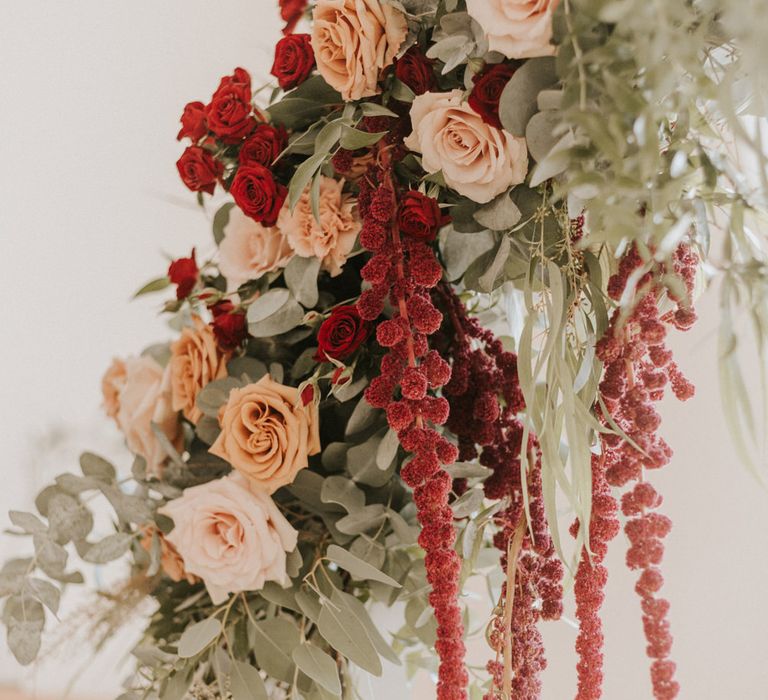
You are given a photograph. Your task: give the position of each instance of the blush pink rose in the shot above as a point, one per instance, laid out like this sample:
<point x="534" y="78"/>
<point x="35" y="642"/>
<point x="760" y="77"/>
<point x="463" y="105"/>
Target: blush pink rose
<point x="476" y="159"/>
<point x="353" y="41"/>
<point x="516" y="28"/>
<point x="143" y="398"/>
<point x="267" y="433"/>
<point x="333" y="237"/>
<point x="250" y="249"/>
<point x="233" y="538"/>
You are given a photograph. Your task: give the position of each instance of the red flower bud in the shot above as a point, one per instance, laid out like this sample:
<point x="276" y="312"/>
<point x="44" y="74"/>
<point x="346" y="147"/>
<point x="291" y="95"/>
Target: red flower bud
<point x="184" y="274"/>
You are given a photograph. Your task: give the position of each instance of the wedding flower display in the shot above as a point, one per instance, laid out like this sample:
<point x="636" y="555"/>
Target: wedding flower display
<point x="450" y="242"/>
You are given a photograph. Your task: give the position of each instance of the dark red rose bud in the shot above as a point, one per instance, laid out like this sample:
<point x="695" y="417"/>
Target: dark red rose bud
<point x="291" y="12"/>
<point x="294" y="60"/>
<point x="416" y="71"/>
<point x="193" y="124"/>
<point x="184" y="273"/>
<point x="420" y="216"/>
<point x="308" y="394"/>
<point x="198" y="169"/>
<point x="257" y="194"/>
<point x="338" y="378"/>
<point x="489" y="84"/>
<point x="263" y="146"/>
<point x="230" y="327"/>
<point x="341" y="334"/>
<point x="230" y="112"/>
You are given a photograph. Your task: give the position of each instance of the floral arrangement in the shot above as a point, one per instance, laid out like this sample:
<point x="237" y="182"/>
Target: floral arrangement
<point x="449" y="248"/>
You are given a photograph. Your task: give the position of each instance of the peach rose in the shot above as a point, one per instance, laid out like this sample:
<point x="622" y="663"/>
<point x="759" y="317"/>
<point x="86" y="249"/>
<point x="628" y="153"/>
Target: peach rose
<point x="267" y="434"/>
<point x="233" y="538"/>
<point x="516" y="28"/>
<point x="111" y="384"/>
<point x="170" y="559"/>
<point x="195" y="361"/>
<point x="145" y="398"/>
<point x="333" y="237"/>
<point x="477" y="159"/>
<point x="250" y="249"/>
<point x="353" y="41"/>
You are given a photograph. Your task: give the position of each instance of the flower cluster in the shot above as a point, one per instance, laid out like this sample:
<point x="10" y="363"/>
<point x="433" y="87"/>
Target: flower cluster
<point x="638" y="368"/>
<point x="403" y="271"/>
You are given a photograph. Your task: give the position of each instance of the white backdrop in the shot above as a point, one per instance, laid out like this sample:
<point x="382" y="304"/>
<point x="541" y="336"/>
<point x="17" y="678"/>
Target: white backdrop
<point x="91" y="94"/>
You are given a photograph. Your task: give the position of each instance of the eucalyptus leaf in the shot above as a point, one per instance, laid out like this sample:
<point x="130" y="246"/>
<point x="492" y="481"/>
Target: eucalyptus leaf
<point x="500" y="214"/>
<point x="246" y="683"/>
<point x="110" y="548"/>
<point x="276" y="638"/>
<point x="518" y="101"/>
<point x="27" y="521"/>
<point x="97" y="467"/>
<point x="155" y="285"/>
<point x="318" y="666"/>
<point x="24" y="639"/>
<point x="198" y="636"/>
<point x="301" y="278"/>
<point x="44" y="592"/>
<point x="357" y="567"/>
<point x="342" y="491"/>
<point x="220" y="221"/>
<point x="364" y="520"/>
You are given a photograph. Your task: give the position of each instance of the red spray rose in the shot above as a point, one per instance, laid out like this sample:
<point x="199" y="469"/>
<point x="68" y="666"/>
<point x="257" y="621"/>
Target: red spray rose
<point x="230" y="111"/>
<point x="229" y="325"/>
<point x="416" y="71"/>
<point x="257" y="194"/>
<point x="193" y="124"/>
<point x="294" y="60"/>
<point x="199" y="170"/>
<point x="419" y="216"/>
<point x="341" y="333"/>
<point x="291" y="12"/>
<point x="264" y="145"/>
<point x="184" y="273"/>
<point x="489" y="85"/>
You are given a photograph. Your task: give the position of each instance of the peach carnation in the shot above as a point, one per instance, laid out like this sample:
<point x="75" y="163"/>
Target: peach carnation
<point x="353" y="41"/>
<point x="233" y="538"/>
<point x="516" y="28"/>
<point x="476" y="159"/>
<point x="195" y="361"/>
<point x="267" y="434"/>
<point x="250" y="249"/>
<point x="333" y="237"/>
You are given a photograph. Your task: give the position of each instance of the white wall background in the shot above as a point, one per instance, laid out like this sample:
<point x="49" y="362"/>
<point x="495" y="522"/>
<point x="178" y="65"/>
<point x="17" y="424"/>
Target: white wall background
<point x="90" y="95"/>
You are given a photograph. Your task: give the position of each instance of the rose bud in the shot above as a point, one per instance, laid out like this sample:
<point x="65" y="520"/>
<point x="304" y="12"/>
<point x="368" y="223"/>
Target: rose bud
<point x="193" y="124"/>
<point x="420" y="216"/>
<point x="199" y="170"/>
<point x="341" y="334"/>
<point x="294" y="60"/>
<point x="184" y="274"/>
<point x="485" y="95"/>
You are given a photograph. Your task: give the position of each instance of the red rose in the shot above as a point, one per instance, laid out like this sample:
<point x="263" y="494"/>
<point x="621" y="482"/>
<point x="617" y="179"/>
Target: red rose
<point x="183" y="273"/>
<point x="416" y="71"/>
<point x="291" y="12"/>
<point x="341" y="333"/>
<point x="229" y="325"/>
<point x="294" y="60"/>
<point x="420" y="216"/>
<point x="193" y="124"/>
<point x="257" y="194"/>
<point x="199" y="170"/>
<point x="230" y="110"/>
<point x="489" y="85"/>
<point x="263" y="146"/>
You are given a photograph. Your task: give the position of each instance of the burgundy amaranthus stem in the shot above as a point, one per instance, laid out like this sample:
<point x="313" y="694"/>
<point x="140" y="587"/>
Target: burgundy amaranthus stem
<point x="404" y="271"/>
<point x="638" y="367"/>
<point x="589" y="584"/>
<point x="488" y="429"/>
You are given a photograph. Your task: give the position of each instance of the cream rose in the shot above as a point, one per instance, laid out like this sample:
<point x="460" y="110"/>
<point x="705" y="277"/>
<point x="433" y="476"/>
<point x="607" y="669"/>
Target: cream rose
<point x="477" y="160"/>
<point x="267" y="434"/>
<point x="353" y="41"/>
<point x="144" y="398"/>
<point x="516" y="28"/>
<point x="195" y="361"/>
<point x="233" y="538"/>
<point x="250" y="249"/>
<point x="333" y="237"/>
